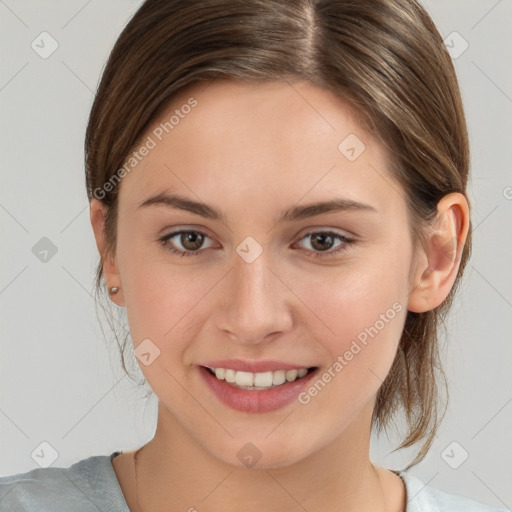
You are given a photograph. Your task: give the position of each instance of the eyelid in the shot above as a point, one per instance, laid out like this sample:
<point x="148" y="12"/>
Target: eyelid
<point x="185" y="227"/>
<point x="326" y="229"/>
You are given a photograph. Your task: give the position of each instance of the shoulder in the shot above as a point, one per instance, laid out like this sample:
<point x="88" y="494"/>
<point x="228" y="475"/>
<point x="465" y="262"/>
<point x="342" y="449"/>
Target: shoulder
<point x="88" y="485"/>
<point x="422" y="498"/>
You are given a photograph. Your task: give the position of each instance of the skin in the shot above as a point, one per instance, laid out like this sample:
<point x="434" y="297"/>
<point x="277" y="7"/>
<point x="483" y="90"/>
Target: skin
<point x="286" y="305"/>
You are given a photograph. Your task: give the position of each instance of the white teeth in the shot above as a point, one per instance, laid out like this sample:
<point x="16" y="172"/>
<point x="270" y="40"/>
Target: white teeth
<point x="262" y="380"/>
<point x="291" y="375"/>
<point x="244" y="378"/>
<point x="278" y="377"/>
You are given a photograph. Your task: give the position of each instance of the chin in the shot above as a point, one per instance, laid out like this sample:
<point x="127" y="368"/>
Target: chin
<point x="262" y="454"/>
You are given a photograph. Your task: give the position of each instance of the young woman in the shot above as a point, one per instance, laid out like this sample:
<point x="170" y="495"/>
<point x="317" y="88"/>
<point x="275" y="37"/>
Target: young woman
<point x="278" y="194"/>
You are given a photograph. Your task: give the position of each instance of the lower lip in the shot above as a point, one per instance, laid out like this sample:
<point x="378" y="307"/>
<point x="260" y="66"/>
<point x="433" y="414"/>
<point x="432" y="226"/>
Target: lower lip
<point x="253" y="400"/>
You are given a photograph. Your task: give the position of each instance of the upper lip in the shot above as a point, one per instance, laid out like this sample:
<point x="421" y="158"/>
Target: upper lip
<point x="260" y="366"/>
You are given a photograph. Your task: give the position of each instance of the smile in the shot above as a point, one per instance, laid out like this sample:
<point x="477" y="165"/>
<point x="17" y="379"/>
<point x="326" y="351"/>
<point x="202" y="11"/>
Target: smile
<point x="257" y="392"/>
<point x="257" y="381"/>
<point x="254" y="381"/>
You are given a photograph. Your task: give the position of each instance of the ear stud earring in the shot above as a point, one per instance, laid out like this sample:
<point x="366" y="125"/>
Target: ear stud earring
<point x="114" y="290"/>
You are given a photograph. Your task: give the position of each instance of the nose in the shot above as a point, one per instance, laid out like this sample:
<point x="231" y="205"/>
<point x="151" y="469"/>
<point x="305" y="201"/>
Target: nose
<point x="255" y="304"/>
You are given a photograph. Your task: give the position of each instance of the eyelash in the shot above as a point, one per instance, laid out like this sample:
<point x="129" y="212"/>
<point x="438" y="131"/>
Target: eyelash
<point x="346" y="243"/>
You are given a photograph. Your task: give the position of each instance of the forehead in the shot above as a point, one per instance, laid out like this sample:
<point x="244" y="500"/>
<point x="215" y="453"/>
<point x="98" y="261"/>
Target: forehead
<point x="282" y="139"/>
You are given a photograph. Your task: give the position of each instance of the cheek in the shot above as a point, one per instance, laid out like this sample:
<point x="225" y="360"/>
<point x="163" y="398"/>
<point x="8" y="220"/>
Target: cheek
<point x="354" y="297"/>
<point x="161" y="299"/>
<point x="163" y="306"/>
<point x="359" y="317"/>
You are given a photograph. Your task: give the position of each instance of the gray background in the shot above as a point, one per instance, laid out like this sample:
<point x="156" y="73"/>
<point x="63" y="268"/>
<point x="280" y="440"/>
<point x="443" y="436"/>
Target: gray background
<point x="61" y="381"/>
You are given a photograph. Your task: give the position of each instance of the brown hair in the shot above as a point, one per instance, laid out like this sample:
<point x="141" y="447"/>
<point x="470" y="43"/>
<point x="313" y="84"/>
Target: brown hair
<point x="385" y="57"/>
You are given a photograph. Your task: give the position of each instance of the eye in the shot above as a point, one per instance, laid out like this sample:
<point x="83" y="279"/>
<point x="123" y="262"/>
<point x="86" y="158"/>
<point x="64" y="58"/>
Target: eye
<point x="323" y="241"/>
<point x="190" y="241"/>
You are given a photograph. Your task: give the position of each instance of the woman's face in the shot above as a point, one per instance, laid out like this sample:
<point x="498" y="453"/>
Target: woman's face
<point x="267" y="279"/>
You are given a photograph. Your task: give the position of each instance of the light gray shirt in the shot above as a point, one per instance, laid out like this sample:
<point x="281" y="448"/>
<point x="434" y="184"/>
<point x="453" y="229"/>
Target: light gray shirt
<point x="91" y="485"/>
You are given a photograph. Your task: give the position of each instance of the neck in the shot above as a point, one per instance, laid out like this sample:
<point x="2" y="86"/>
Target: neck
<point x="173" y="468"/>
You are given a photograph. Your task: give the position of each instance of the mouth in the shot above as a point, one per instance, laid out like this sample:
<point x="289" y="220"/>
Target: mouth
<point x="261" y="380"/>
<point x="256" y="392"/>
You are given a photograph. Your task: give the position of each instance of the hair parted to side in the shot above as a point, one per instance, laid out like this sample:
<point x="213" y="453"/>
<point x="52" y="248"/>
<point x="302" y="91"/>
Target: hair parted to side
<point x="384" y="57"/>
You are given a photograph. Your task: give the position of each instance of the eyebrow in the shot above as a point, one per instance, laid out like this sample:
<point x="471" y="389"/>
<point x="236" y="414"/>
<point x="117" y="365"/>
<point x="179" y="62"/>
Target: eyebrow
<point x="294" y="213"/>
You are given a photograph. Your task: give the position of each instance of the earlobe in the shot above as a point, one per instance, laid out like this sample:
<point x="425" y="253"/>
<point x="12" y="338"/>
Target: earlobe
<point x="439" y="263"/>
<point x="110" y="270"/>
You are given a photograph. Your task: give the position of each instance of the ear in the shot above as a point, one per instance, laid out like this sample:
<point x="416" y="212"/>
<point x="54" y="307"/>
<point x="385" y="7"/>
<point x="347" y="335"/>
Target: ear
<point x="110" y="270"/>
<point x="439" y="262"/>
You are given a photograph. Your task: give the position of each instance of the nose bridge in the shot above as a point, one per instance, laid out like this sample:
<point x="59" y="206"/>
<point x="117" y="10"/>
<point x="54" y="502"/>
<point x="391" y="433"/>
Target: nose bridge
<point x="256" y="304"/>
